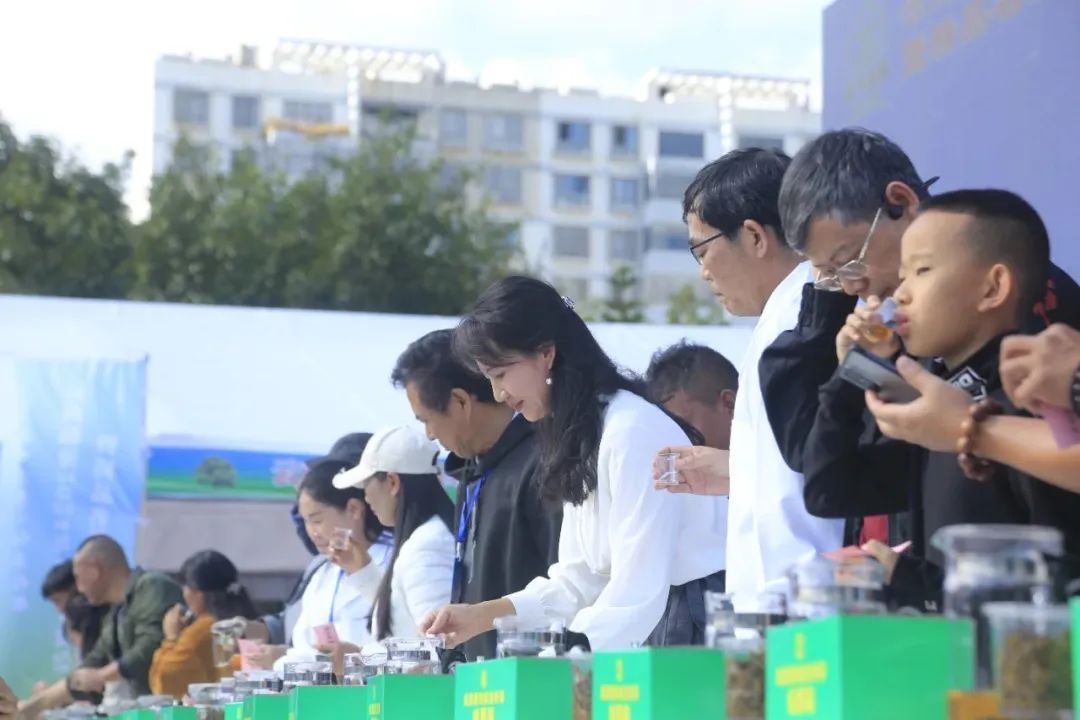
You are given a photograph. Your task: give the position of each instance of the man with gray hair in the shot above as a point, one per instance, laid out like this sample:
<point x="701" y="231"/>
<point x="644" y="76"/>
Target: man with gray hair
<point x="846" y="200"/>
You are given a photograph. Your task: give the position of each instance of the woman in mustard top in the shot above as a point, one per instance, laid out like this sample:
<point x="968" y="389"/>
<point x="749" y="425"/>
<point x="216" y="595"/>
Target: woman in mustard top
<point x="212" y="592"/>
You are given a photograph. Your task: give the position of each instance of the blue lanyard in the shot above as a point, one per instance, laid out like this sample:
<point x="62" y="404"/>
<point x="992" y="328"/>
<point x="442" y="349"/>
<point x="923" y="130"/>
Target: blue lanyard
<point x="467" y="510"/>
<point x="333" y="600"/>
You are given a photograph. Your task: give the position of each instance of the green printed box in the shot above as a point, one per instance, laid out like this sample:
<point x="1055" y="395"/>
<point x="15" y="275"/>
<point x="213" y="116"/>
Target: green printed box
<point x="514" y="689"/>
<point x="411" y="697"/>
<point x="138" y="714"/>
<point x="659" y="684"/>
<point x="867" y="667"/>
<point x="234" y="711"/>
<point x="328" y="702"/>
<point x="266" y="707"/>
<point x="179" y="712"/>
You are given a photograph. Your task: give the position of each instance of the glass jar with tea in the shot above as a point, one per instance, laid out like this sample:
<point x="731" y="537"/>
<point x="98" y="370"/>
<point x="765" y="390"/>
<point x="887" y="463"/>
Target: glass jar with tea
<point x="995" y="563"/>
<point x="1032" y="653"/>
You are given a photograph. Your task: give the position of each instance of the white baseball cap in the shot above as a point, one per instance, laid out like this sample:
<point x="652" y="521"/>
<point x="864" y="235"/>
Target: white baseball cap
<point x="403" y="450"/>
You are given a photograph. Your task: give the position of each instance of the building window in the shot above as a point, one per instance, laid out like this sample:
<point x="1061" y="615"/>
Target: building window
<point x="682" y="144"/>
<point x="453" y="128"/>
<point x="624" y="140"/>
<point x="672" y="186"/>
<point x="504" y="132"/>
<point x="191" y="107"/>
<point x="504" y="184"/>
<point x="624" y="245"/>
<point x="625" y="193"/>
<point x="315" y="113"/>
<point x="245" y="112"/>
<point x="571" y="190"/>
<point x="673" y="238"/>
<point x="570" y="242"/>
<point x="764" y="142"/>
<point x="573" y="137"/>
<point x="451" y="173"/>
<point x="380" y="119"/>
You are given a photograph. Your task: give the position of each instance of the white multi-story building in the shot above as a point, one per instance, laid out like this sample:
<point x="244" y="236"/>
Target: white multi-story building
<point x="588" y="180"/>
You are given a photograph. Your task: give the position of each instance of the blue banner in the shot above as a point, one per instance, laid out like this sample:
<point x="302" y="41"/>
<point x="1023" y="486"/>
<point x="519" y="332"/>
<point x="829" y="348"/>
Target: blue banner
<point x="72" y="464"/>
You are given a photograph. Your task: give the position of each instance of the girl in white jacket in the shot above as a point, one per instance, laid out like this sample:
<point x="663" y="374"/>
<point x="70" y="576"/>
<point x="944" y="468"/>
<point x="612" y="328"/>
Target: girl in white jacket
<point x="399" y="477"/>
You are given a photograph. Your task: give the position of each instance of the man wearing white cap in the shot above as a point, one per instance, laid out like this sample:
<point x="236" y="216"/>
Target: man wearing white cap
<point x="400" y="480"/>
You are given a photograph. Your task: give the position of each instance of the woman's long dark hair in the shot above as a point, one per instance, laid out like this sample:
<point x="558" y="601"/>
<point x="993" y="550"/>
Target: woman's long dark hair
<point x="318" y="483"/>
<point x="217" y="578"/>
<point x="421" y="498"/>
<point x="522" y="316"/>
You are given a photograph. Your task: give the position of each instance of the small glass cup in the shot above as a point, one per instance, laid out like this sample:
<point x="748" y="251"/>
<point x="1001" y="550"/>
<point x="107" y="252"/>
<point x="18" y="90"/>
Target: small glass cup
<point x="340" y="539"/>
<point x="669" y="476"/>
<point x="1032" y="654"/>
<point x="881" y="332"/>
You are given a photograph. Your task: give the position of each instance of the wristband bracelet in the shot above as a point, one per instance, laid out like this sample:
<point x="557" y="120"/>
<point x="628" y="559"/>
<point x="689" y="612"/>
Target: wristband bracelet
<point x="975" y="467"/>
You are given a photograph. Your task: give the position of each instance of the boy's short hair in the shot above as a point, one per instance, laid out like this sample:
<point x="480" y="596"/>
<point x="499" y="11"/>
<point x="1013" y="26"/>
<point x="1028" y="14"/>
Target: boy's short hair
<point x="1005" y="229"/>
<point x="699" y="371"/>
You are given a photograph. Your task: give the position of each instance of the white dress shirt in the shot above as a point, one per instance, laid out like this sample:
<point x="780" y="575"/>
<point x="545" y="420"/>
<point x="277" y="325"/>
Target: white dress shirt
<point x="423" y="576"/>
<point x="351" y="599"/>
<point x="769" y="528"/>
<point x="623" y="548"/>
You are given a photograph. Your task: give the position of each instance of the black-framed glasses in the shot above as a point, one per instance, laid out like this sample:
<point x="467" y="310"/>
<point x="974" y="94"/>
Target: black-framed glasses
<point x="700" y="244"/>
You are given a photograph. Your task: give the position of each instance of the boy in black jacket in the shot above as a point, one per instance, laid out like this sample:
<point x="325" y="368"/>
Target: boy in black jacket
<point x="972" y="264"/>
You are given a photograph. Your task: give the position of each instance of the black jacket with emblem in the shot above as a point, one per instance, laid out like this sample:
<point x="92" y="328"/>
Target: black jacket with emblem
<point x="849" y="473"/>
<point x="512" y="533"/>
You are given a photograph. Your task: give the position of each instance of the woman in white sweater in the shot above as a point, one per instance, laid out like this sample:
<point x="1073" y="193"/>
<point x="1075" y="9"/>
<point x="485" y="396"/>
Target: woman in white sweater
<point x="399" y="477"/>
<point x="633" y="561"/>
<point x="342" y="590"/>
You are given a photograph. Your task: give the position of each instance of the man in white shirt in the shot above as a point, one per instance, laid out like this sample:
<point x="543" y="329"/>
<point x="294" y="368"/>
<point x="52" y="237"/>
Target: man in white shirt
<point x="735" y="235"/>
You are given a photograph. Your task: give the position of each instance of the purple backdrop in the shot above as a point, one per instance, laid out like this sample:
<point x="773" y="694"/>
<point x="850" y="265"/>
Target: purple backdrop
<point x="984" y="93"/>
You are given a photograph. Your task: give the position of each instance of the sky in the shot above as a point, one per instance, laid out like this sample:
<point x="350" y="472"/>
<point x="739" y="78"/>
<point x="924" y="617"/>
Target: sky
<point x="82" y="72"/>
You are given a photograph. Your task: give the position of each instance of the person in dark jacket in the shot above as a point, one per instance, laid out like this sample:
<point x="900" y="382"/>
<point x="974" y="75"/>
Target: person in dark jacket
<point x="131" y="631"/>
<point x="81" y="619"/>
<point x="972" y="263"/>
<point x="506" y="535"/>
<point x="846" y="200"/>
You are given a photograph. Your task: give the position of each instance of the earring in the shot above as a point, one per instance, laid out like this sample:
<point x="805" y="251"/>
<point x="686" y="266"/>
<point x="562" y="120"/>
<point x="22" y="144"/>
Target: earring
<point x="548" y="381"/>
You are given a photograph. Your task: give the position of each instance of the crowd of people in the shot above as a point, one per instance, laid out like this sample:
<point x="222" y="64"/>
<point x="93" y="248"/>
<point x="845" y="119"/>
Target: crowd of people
<point x="561" y="514"/>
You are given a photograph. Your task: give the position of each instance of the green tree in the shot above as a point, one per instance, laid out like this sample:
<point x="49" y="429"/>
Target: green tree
<point x="379" y="231"/>
<point x="64" y="230"/>
<point x="622" y="304"/>
<point x="685" y="307"/>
